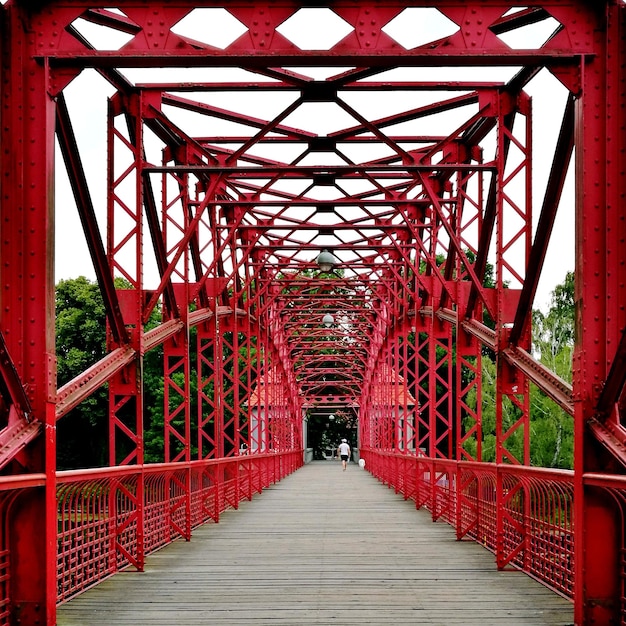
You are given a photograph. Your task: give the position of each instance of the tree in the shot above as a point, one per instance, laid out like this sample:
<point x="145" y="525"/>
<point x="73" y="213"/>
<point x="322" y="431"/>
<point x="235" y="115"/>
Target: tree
<point x="80" y="342"/>
<point x="510" y="415"/>
<point x="553" y="333"/>
<point x="82" y="434"/>
<point x="552" y="429"/>
<point x="153" y="435"/>
<point x="551" y="433"/>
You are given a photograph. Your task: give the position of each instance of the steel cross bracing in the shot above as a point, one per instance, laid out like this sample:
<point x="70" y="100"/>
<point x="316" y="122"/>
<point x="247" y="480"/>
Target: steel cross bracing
<point x="234" y="154"/>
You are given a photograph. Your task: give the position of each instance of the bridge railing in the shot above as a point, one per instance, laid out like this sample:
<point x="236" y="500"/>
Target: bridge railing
<point x="523" y="515"/>
<point x="11" y="488"/>
<point x="110" y="519"/>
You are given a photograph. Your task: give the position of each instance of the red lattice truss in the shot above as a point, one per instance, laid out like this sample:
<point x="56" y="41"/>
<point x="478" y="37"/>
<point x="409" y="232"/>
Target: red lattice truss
<point x="227" y="158"/>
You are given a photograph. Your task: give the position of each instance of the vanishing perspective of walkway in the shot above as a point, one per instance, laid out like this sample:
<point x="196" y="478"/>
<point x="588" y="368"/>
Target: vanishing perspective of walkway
<point x="321" y="547"/>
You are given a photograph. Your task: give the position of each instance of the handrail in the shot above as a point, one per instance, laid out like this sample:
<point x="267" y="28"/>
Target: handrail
<point x="111" y="518"/>
<point x="23" y="481"/>
<point x="524" y="515"/>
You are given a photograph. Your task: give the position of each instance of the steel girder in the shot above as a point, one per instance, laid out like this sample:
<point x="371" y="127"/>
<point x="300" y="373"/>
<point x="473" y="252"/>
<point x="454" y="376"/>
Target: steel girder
<point x="231" y="207"/>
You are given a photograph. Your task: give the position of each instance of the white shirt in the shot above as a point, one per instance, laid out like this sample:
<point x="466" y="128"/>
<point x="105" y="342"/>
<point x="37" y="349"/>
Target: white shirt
<point x="344" y="448"/>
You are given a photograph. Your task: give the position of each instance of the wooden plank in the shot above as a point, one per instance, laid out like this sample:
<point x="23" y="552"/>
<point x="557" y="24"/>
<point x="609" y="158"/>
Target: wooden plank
<point x="321" y="547"/>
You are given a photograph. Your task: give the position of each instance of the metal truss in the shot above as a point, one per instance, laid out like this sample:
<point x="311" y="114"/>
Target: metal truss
<point x="228" y="166"/>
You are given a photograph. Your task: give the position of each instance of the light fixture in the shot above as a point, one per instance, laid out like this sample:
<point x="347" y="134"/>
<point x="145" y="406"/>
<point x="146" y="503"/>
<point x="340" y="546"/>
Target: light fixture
<point x="326" y="261"/>
<point x="328" y="320"/>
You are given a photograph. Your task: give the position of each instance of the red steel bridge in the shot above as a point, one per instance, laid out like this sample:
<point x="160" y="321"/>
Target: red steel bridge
<point x="310" y="197"/>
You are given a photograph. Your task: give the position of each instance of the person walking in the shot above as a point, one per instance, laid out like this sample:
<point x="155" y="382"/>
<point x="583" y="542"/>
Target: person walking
<point x="344" y="453"/>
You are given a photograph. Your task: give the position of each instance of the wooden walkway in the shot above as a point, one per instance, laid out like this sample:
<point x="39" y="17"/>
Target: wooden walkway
<point x="321" y="547"/>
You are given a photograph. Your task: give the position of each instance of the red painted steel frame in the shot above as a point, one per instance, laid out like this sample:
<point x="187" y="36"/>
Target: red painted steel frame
<point x="537" y="510"/>
<point x="233" y="218"/>
<point x="93" y="505"/>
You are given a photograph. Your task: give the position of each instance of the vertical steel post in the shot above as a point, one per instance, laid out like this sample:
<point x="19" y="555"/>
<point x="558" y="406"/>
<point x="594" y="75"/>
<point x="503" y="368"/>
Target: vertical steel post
<point x="27" y="112"/>
<point x="440" y="373"/>
<point x="469" y="397"/>
<point x="175" y="219"/>
<point x="125" y="255"/>
<point x="207" y="409"/>
<point x="600" y="315"/>
<point x="513" y="232"/>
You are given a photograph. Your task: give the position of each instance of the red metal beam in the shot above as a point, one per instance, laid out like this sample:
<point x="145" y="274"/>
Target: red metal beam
<point x="27" y="315"/>
<point x="552" y="197"/>
<point x="15" y="437"/>
<point x="613" y="388"/>
<point x="78" y="181"/>
<point x="600" y="320"/>
<point x="81" y="387"/>
<point x="11" y="384"/>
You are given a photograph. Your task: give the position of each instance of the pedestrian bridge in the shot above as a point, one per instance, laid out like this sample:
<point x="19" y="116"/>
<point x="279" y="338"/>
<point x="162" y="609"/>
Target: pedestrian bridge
<point x="298" y="222"/>
<point x="321" y="546"/>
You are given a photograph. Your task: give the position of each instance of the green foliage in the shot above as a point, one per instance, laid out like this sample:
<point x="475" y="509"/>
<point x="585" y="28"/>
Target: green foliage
<point x="552" y="429"/>
<point x="80" y="327"/>
<point x="154" y="436"/>
<point x="325" y="434"/>
<point x="82" y="435"/>
<point x="551" y="433"/>
<point x="510" y="414"/>
<point x="553" y="332"/>
<point x="80" y="341"/>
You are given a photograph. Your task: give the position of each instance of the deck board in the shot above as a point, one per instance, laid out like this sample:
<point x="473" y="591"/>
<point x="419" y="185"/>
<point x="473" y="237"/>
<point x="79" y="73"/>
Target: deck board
<point x="321" y="547"/>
